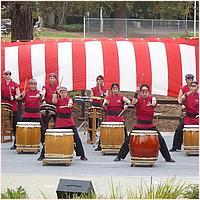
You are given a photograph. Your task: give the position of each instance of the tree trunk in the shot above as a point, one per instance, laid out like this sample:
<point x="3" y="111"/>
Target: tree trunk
<point x="21" y="22"/>
<point x="119" y="25"/>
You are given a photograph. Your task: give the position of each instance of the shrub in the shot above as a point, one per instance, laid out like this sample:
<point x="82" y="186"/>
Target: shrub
<point x="191" y="192"/>
<point x="19" y="193"/>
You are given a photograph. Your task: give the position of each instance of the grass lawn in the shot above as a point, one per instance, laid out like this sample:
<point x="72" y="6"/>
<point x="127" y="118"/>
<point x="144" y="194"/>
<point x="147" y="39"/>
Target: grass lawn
<point x="57" y="34"/>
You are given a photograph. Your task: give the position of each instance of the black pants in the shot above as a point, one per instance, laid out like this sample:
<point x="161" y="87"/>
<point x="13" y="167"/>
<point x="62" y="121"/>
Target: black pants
<point x="78" y="147"/>
<point x="163" y="147"/>
<point x="41" y="123"/>
<point x="178" y="136"/>
<point x="46" y="118"/>
<point x="16" y="119"/>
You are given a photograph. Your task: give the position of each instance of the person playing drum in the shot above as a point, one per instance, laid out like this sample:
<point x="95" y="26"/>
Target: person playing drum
<point x="9" y="94"/>
<point x="178" y="136"/>
<point x="97" y="94"/>
<point x="65" y="120"/>
<point x="190" y="99"/>
<point x="114" y="105"/>
<point x="98" y="91"/>
<point x="145" y="104"/>
<point x="48" y="90"/>
<point x="32" y="101"/>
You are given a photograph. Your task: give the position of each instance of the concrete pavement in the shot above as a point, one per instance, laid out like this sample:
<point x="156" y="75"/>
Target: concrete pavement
<point x="25" y="170"/>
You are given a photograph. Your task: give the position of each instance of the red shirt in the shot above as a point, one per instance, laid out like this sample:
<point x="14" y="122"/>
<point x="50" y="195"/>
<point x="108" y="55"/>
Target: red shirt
<point x="31" y="103"/>
<point x="64" y="122"/>
<point x="5" y="93"/>
<point x="97" y="92"/>
<point x="185" y="89"/>
<point x="116" y="105"/>
<point x="50" y="90"/>
<point x="144" y="112"/>
<point x="191" y="104"/>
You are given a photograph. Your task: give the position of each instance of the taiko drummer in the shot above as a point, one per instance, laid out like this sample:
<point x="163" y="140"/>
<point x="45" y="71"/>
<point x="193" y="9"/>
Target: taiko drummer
<point x="190" y="99"/>
<point x="9" y="94"/>
<point x="145" y="104"/>
<point x="65" y="120"/>
<point x="32" y="101"/>
<point x="114" y="105"/>
<point x="48" y="90"/>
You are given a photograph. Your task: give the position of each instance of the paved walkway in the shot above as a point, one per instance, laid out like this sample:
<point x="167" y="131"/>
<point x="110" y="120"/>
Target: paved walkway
<point x="25" y="170"/>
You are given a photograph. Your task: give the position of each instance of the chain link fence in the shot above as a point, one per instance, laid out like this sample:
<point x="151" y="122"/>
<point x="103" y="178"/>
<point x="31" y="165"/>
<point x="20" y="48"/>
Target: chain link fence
<point x="121" y="27"/>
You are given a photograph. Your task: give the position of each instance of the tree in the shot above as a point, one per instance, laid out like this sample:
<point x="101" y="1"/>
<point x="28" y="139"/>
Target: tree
<point x="21" y="21"/>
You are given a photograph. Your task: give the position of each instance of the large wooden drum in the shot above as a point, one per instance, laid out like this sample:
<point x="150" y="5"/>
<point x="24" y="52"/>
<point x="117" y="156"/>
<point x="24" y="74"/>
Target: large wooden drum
<point x="144" y="147"/>
<point x="59" y="146"/>
<point x="28" y="136"/>
<point x="191" y="139"/>
<point x="112" y="136"/>
<point x="94" y="117"/>
<point x="6" y="122"/>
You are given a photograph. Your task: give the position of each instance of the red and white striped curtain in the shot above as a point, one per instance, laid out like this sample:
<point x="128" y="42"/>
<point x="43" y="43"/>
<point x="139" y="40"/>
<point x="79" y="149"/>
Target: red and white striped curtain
<point x="162" y="62"/>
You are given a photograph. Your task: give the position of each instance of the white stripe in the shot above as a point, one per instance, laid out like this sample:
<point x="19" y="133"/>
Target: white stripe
<point x="65" y="64"/>
<point x="127" y="65"/>
<point x="11" y="62"/>
<point x="38" y="64"/>
<point x="188" y="60"/>
<point x="159" y="68"/>
<point x="94" y="62"/>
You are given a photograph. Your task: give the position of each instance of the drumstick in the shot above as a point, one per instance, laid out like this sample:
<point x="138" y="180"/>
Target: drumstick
<point x="64" y="107"/>
<point x="10" y="91"/>
<point x="61" y="81"/>
<point x="121" y="113"/>
<point x="33" y="96"/>
<point x="25" y="85"/>
<point x="197" y="116"/>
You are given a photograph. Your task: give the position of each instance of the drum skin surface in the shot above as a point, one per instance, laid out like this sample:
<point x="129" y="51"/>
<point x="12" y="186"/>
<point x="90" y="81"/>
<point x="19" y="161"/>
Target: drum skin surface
<point x="144" y="146"/>
<point x="191" y="139"/>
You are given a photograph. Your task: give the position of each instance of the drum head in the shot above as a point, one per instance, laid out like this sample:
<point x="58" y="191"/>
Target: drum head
<point x="28" y="124"/>
<point x="59" y="132"/>
<point x="191" y="126"/>
<point x="143" y="132"/>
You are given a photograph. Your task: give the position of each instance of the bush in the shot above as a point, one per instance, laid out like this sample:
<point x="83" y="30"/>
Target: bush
<point x="191" y="192"/>
<point x="19" y="193"/>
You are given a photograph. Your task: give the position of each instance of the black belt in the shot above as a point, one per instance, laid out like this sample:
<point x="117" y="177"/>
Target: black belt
<point x="189" y="114"/>
<point x="32" y="110"/>
<point x="5" y="98"/>
<point x="61" y="115"/>
<point x="96" y="104"/>
<point x="144" y="121"/>
<point x="112" y="113"/>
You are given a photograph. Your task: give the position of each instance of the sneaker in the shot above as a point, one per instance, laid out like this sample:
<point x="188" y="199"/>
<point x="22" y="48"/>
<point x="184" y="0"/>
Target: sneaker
<point x="83" y="158"/>
<point x="13" y="147"/>
<point x="170" y="160"/>
<point x="117" y="159"/>
<point x="172" y="150"/>
<point x="98" y="148"/>
<point x="40" y="158"/>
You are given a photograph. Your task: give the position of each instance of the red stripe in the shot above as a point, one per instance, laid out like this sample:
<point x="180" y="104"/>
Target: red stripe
<point x="51" y="60"/>
<point x="2" y="60"/>
<point x="24" y="61"/>
<point x="79" y="65"/>
<point x="174" y="68"/>
<point x="197" y="63"/>
<point x="111" y="63"/>
<point x="143" y="63"/>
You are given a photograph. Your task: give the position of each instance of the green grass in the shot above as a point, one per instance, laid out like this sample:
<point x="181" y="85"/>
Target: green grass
<point x="57" y="34"/>
<point x="19" y="193"/>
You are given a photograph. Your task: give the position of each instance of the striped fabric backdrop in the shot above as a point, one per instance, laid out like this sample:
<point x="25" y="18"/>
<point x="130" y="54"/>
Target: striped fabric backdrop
<point x="162" y="62"/>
